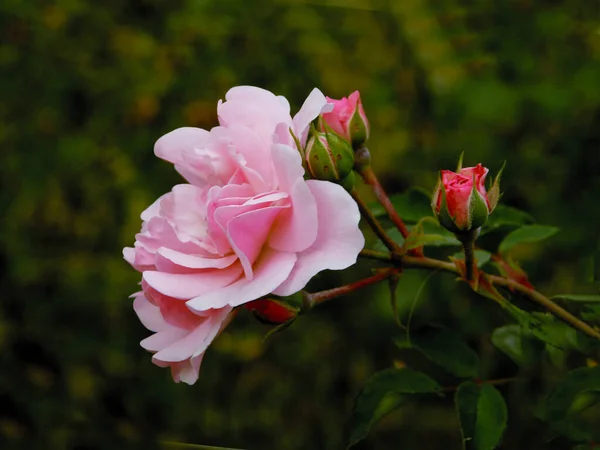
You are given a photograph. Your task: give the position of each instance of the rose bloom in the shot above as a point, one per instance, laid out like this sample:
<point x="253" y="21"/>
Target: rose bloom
<point x="247" y="224"/>
<point x="458" y="187"/>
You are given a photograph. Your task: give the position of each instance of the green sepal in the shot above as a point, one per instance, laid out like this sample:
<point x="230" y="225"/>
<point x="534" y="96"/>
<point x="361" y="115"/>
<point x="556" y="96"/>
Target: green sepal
<point x="494" y="192"/>
<point x="329" y="157"/>
<point x="358" y="130"/>
<point x="478" y="209"/>
<point x="460" y="162"/>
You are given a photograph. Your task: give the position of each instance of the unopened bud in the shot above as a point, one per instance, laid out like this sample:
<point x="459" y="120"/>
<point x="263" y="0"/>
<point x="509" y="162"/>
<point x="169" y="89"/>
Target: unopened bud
<point x="329" y="157"/>
<point x="348" y="119"/>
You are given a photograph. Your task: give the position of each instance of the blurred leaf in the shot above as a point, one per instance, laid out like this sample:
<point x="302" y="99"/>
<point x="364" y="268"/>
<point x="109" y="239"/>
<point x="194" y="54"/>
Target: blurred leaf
<point x="580" y="298"/>
<point x="526" y="235"/>
<point x="506" y="215"/>
<point x="368" y="408"/>
<point x="445" y="348"/>
<point x="517" y="344"/>
<point x="412" y="205"/>
<point x="483" y="415"/>
<point x="482" y="257"/>
<point x="561" y="407"/>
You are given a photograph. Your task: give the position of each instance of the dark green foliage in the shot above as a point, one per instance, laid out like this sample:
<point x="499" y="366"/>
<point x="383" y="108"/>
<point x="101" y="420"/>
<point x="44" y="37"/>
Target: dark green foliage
<point x="86" y="88"/>
<point x="483" y="415"/>
<point x="384" y="392"/>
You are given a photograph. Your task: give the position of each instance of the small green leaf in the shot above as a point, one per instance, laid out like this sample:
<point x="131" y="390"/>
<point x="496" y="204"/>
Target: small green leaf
<point x="483" y="415"/>
<point x="445" y="348"/>
<point x="518" y="344"/>
<point x="580" y="298"/>
<point x="482" y="257"/>
<point x="374" y="400"/>
<point x="526" y="235"/>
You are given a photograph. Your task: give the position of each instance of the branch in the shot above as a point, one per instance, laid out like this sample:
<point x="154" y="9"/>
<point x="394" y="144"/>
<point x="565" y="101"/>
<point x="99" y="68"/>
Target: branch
<point x="323" y="296"/>
<point x="421" y="262"/>
<point x="374" y="223"/>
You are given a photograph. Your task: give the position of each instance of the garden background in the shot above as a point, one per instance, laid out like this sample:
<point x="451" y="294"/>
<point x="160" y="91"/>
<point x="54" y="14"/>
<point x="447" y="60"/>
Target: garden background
<point x="85" y="90"/>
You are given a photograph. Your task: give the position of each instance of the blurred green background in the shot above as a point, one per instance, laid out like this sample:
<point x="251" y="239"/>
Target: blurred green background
<point x="86" y="89"/>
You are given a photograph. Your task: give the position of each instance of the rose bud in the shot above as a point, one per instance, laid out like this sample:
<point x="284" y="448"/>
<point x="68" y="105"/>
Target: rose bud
<point x="272" y="311"/>
<point x="348" y="119"/>
<point x="460" y="200"/>
<point x="329" y="158"/>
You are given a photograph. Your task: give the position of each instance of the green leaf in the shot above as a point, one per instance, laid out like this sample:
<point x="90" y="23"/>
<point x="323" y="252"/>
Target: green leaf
<point x="383" y="393"/>
<point x="482" y="257"/>
<point x="412" y="205"/>
<point x="580" y="298"/>
<point x="483" y="415"/>
<point x="584" y="379"/>
<point x="506" y="215"/>
<point x="526" y="235"/>
<point x="570" y="398"/>
<point x="518" y="344"/>
<point x="445" y="348"/>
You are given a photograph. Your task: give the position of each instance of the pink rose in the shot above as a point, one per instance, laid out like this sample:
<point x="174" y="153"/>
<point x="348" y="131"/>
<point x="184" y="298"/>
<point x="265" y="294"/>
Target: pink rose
<point x="348" y="119"/>
<point x="463" y="205"/>
<point x="247" y="225"/>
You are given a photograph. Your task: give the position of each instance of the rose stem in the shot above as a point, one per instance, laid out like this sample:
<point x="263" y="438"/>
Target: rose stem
<point x="322" y="296"/>
<point x="374" y="223"/>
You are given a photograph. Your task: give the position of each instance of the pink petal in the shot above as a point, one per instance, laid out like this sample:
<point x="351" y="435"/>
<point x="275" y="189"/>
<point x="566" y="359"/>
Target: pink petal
<point x="148" y="313"/>
<point x="295" y="229"/>
<point x="315" y="104"/>
<point x="186" y="371"/>
<point x="163" y="339"/>
<point x="195" y="342"/>
<point x="252" y="147"/>
<point x="186" y="286"/>
<point x="248" y="232"/>
<point x="254" y="108"/>
<point x="172" y="261"/>
<point x="271" y="269"/>
<point x="171" y="146"/>
<point x="339" y="239"/>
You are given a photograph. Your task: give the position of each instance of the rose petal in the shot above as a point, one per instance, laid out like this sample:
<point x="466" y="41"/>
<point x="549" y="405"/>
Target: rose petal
<point x="270" y="270"/>
<point x="248" y="232"/>
<point x="186" y="286"/>
<point x="339" y="239"/>
<point x="172" y="261"/>
<point x="295" y="229"/>
<point x="315" y="104"/>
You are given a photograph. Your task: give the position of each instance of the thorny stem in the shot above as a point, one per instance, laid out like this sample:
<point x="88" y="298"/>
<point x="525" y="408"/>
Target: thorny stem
<point x="407" y="262"/>
<point x="322" y="296"/>
<point x="373" y="222"/>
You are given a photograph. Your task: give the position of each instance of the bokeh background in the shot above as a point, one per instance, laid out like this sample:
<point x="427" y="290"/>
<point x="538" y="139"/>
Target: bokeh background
<point x="87" y="87"/>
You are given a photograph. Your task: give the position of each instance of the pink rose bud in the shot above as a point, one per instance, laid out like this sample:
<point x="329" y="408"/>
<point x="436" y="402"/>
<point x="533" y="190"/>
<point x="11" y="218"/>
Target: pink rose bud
<point x="272" y="311"/>
<point x="460" y="200"/>
<point x="348" y="119"/>
<point x="329" y="158"/>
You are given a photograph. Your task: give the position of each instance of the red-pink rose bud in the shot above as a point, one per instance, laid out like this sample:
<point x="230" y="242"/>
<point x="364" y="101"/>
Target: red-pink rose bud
<point x="460" y="200"/>
<point x="348" y="119"/>
<point x="272" y="311"/>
